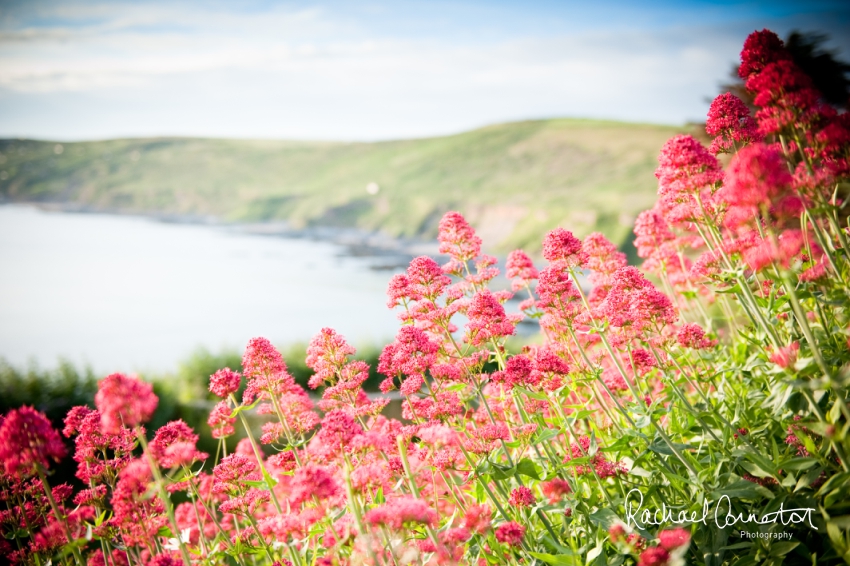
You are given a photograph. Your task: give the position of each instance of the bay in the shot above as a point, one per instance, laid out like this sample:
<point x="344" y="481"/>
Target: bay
<point x="125" y="293"/>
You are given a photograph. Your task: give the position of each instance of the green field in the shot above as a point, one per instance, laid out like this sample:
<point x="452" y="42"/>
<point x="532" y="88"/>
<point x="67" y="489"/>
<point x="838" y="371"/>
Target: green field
<point x="513" y="181"/>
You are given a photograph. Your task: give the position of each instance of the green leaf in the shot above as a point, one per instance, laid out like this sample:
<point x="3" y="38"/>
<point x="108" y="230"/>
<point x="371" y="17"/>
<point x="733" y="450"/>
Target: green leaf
<point x="737" y="546"/>
<point x="833" y="416"/>
<point x="545" y="434"/>
<point x="741" y="489"/>
<point x="755" y="470"/>
<point x="640" y="472"/>
<point x="164" y="532"/>
<point x="782" y="548"/>
<point x="241" y="408"/>
<point x="762" y="462"/>
<point x="842" y="522"/>
<point x="532" y="394"/>
<point x="837" y="481"/>
<point x="799" y="464"/>
<point x="604" y="518"/>
<point x="576" y="461"/>
<point x="809" y="478"/>
<point x="643" y="421"/>
<point x="500" y="472"/>
<point x="594" y="446"/>
<point x="557" y="559"/>
<point x="19" y="533"/>
<point x="595" y="551"/>
<point x="528" y="468"/>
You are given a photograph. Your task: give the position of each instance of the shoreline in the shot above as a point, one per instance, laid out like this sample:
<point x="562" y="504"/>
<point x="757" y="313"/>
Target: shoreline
<point x="386" y="252"/>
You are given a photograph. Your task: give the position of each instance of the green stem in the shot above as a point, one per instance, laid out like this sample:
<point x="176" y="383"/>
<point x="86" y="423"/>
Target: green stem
<point x="163" y="496"/>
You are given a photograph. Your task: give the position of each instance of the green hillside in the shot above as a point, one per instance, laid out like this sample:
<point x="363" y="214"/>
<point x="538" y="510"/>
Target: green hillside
<point x="513" y="181"/>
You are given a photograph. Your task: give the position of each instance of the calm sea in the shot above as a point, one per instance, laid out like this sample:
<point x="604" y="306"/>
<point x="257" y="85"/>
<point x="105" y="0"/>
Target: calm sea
<point x="132" y="294"/>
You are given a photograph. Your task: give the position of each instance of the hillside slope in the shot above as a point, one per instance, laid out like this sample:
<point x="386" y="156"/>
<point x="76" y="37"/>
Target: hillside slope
<point x="513" y="181"/>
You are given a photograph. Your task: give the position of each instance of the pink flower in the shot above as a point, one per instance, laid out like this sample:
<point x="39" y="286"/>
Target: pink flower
<point x="483" y="439"/>
<point x="174" y="445"/>
<point x="457" y="238"/>
<point x="245" y="503"/>
<point x="555" y="489"/>
<point x="613" y="380"/>
<point x="411" y="385"/>
<point x="400" y="511"/>
<point x="652" y="231"/>
<point x="88" y="496"/>
<point x="522" y="497"/>
<point x="296" y="409"/>
<point x="672" y="539"/>
<point x="757" y="176"/>
<point x="265" y="371"/>
<point x="520" y="269"/>
<point x="229" y="474"/>
<point x="558" y="295"/>
<point x="28" y="441"/>
<point x="487" y="319"/>
<point x="426" y="278"/>
<point x="338" y="428"/>
<point x="369" y="477"/>
<point x="411" y="353"/>
<point x="399" y="291"/>
<point x="617" y="532"/>
<point x="124" y="401"/>
<point x="760" y="49"/>
<point x="686" y="170"/>
<point x="327" y="354"/>
<point x="633" y="304"/>
<point x="74" y="420"/>
<point x="547" y="360"/>
<point x="519" y="370"/>
<point x="139" y="516"/>
<point x="691" y="335"/>
<point x="729" y="121"/>
<point x="786" y="356"/>
<point x="560" y="245"/>
<point x="220" y="420"/>
<point x="295" y="525"/>
<point x="510" y="533"/>
<point x="603" y="467"/>
<point x="312" y="481"/>
<point x="603" y="259"/>
<point x="262" y="359"/>
<point x="655" y="556"/>
<point x="224" y="382"/>
<point x="284" y="461"/>
<point x="93" y="444"/>
<point x="477" y="518"/>
<point x="117" y="558"/>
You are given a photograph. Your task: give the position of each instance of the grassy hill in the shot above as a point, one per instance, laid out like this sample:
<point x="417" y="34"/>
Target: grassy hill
<point x="513" y="181"/>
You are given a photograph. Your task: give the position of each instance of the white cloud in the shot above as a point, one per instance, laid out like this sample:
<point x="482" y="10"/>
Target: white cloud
<point x="321" y="73"/>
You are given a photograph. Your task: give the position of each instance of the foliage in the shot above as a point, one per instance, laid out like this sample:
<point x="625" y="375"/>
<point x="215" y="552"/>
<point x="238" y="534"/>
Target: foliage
<point x="701" y="420"/>
<point x="52" y="392"/>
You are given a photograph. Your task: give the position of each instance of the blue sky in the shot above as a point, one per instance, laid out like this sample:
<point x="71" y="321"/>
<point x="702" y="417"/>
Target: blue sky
<point x="369" y="70"/>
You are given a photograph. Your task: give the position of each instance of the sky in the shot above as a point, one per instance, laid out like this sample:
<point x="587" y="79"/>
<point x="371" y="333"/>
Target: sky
<point x="78" y="70"/>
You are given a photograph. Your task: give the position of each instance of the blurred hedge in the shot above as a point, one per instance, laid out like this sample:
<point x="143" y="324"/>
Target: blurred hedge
<point x="183" y="394"/>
